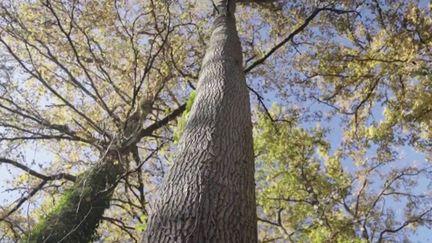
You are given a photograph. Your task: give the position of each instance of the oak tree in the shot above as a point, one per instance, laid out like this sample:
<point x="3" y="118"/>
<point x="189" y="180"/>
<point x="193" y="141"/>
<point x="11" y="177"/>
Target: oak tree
<point x="92" y="101"/>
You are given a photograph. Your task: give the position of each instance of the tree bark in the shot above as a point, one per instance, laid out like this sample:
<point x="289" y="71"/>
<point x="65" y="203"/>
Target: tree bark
<point x="209" y="193"/>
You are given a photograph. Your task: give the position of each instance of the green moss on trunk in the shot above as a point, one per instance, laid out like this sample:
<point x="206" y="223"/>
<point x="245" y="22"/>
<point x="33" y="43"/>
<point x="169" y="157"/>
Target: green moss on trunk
<point x="183" y="119"/>
<point x="80" y="209"/>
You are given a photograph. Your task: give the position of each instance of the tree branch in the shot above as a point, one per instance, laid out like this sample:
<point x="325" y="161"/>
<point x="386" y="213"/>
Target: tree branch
<point x="156" y="125"/>
<point x="34" y="173"/>
<point x="24" y="199"/>
<point x="415" y="219"/>
<point x="293" y="34"/>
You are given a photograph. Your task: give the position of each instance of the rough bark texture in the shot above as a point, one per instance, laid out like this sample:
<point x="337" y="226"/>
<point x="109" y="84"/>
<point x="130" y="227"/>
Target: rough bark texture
<point x="81" y="208"/>
<point x="209" y="194"/>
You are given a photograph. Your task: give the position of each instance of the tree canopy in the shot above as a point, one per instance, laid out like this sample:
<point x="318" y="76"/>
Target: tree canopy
<point x="341" y="97"/>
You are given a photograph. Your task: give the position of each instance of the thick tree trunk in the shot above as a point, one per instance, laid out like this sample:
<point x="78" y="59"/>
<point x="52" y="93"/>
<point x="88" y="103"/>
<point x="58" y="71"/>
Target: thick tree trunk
<point x="209" y="193"/>
<point x="80" y="210"/>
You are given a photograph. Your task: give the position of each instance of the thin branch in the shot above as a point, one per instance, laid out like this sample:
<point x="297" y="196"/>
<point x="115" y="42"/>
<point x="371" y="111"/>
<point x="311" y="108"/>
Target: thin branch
<point x="121" y="225"/>
<point x="294" y="33"/>
<point x="24" y="199"/>
<point x="78" y="59"/>
<point x="36" y="74"/>
<point x="415" y="219"/>
<point x="34" y="173"/>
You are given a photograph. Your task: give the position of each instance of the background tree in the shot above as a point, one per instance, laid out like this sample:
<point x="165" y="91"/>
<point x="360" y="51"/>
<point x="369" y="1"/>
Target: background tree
<point x="73" y="73"/>
<point x="67" y="67"/>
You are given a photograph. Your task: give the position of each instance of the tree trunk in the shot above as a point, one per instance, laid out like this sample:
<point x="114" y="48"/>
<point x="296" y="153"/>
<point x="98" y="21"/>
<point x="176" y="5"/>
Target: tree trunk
<point x="209" y="193"/>
<point x="81" y="208"/>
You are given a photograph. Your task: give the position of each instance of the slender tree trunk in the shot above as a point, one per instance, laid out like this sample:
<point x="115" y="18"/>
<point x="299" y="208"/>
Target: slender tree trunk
<point x="209" y="193"/>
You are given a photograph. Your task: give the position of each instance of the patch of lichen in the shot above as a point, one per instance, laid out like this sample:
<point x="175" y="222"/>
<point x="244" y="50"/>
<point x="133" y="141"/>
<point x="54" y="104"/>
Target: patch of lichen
<point x="80" y="209"/>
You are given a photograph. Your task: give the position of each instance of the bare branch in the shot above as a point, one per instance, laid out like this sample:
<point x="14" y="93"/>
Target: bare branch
<point x="294" y="33"/>
<point x="24" y="199"/>
<point x="37" y="174"/>
<point x="120" y="224"/>
<point x="415" y="219"/>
